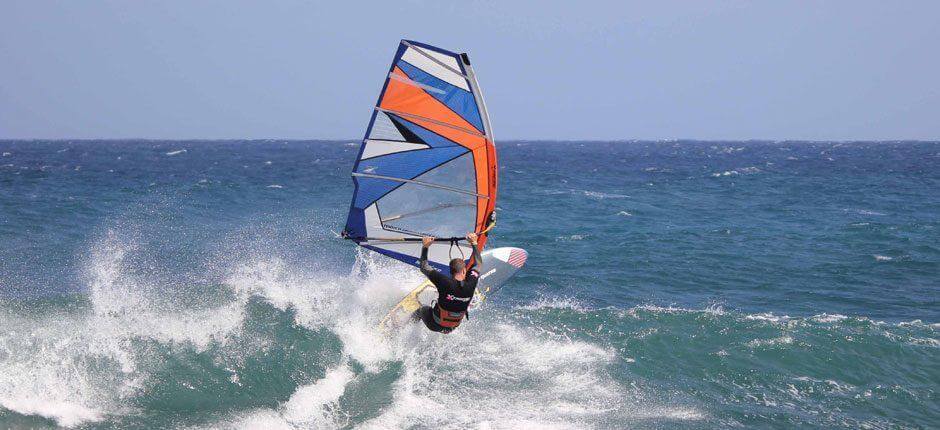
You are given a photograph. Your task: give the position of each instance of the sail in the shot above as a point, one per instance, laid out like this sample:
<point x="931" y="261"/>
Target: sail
<point x="427" y="164"/>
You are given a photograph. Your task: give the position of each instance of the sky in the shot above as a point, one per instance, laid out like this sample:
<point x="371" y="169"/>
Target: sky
<point x="555" y="70"/>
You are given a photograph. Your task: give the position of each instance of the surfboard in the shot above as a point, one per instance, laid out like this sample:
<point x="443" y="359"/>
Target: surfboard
<point x="499" y="265"/>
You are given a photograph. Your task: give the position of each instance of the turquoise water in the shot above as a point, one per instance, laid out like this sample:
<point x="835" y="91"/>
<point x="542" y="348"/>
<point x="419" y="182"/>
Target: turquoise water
<point x="180" y="284"/>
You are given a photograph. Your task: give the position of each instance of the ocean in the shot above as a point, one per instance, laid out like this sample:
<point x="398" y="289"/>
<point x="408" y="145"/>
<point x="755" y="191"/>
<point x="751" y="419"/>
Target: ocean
<point x="672" y="284"/>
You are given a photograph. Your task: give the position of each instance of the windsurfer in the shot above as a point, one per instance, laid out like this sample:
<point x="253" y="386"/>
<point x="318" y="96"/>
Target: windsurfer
<point x="454" y="292"/>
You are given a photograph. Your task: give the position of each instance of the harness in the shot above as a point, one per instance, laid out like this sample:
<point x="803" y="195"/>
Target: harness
<point x="447" y="319"/>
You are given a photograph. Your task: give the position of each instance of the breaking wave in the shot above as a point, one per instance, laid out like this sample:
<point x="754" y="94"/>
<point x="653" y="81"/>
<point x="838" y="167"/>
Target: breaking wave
<point x="275" y="345"/>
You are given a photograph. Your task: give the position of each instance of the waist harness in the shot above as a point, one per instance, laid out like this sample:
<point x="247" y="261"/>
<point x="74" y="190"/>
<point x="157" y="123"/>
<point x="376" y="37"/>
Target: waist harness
<point x="445" y="318"/>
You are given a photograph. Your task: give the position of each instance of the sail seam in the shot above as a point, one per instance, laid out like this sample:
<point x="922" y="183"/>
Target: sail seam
<point x="409" y="81"/>
<point x="426" y="184"/>
<point x="434" y="121"/>
<point x="424" y="211"/>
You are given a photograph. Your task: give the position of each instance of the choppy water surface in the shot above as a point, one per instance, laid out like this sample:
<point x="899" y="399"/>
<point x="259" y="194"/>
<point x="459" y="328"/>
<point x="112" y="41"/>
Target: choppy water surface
<point x="679" y="284"/>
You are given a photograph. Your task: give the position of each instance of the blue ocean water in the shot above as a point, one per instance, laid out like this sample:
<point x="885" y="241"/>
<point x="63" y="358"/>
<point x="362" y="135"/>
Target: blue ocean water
<point x="680" y="284"/>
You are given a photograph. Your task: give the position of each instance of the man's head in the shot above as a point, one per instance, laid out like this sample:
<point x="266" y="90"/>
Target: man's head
<point x="458" y="269"/>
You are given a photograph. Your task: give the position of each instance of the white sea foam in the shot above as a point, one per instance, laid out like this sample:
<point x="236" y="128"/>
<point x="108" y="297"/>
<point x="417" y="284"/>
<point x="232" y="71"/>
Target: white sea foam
<point x="349" y="306"/>
<point x="828" y="385"/>
<point x="64" y="413"/>
<point x="829" y="318"/>
<point x="726" y="149"/>
<point x="601" y="195"/>
<point x="177" y="152"/>
<point x="782" y="340"/>
<point x="678" y="414"/>
<point x="739" y="171"/>
<point x="271" y="279"/>
<point x="571" y="238"/>
<point x="624" y="213"/>
<point x="713" y="309"/>
<point x="42" y="372"/>
<point x="566" y="373"/>
<point x="76" y="368"/>
<point x="554" y="303"/>
<point x="923" y="341"/>
<point x="767" y="316"/>
<point x="315" y="404"/>
<point x="571" y="384"/>
<point x="864" y="212"/>
<point x="276" y="186"/>
<point x="310" y="406"/>
<point x="882" y="257"/>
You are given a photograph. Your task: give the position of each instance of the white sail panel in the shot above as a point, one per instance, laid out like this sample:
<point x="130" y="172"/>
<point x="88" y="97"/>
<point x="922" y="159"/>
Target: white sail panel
<point x="383" y="129"/>
<point x="378" y="148"/>
<point x="446" y="74"/>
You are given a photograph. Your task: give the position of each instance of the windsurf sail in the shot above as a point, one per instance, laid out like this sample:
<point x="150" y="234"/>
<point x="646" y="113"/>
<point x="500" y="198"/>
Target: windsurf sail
<point x="427" y="164"/>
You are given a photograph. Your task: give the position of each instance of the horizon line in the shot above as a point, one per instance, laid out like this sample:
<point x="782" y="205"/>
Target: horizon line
<point x="342" y="140"/>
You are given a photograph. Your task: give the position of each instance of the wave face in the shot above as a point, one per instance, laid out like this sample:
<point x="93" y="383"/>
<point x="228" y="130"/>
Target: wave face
<point x="156" y="284"/>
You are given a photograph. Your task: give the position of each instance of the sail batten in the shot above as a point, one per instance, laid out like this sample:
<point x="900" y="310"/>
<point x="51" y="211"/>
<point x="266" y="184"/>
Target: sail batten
<point x="404" y="79"/>
<point x="431" y="120"/>
<point x="426" y="161"/>
<point x="422" y="183"/>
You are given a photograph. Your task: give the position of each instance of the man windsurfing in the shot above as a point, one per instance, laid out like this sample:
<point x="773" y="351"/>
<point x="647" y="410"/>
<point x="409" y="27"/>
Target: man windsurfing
<point x="454" y="292"/>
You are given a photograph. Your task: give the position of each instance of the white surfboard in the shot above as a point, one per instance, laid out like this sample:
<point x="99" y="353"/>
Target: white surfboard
<point x="499" y="265"/>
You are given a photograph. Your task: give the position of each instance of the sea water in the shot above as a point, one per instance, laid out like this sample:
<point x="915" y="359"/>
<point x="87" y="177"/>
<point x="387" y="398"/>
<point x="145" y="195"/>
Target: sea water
<point x="677" y="284"/>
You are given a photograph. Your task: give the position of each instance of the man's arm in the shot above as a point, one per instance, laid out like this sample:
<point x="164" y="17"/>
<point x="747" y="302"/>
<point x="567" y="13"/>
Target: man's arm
<point x="477" y="258"/>
<point x="425" y="267"/>
<point x="437" y="278"/>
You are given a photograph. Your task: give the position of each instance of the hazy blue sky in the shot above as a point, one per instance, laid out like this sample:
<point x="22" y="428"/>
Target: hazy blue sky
<point x="550" y="70"/>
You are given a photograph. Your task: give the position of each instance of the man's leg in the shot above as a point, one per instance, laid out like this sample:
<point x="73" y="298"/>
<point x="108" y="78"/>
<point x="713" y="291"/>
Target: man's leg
<point x="428" y="318"/>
